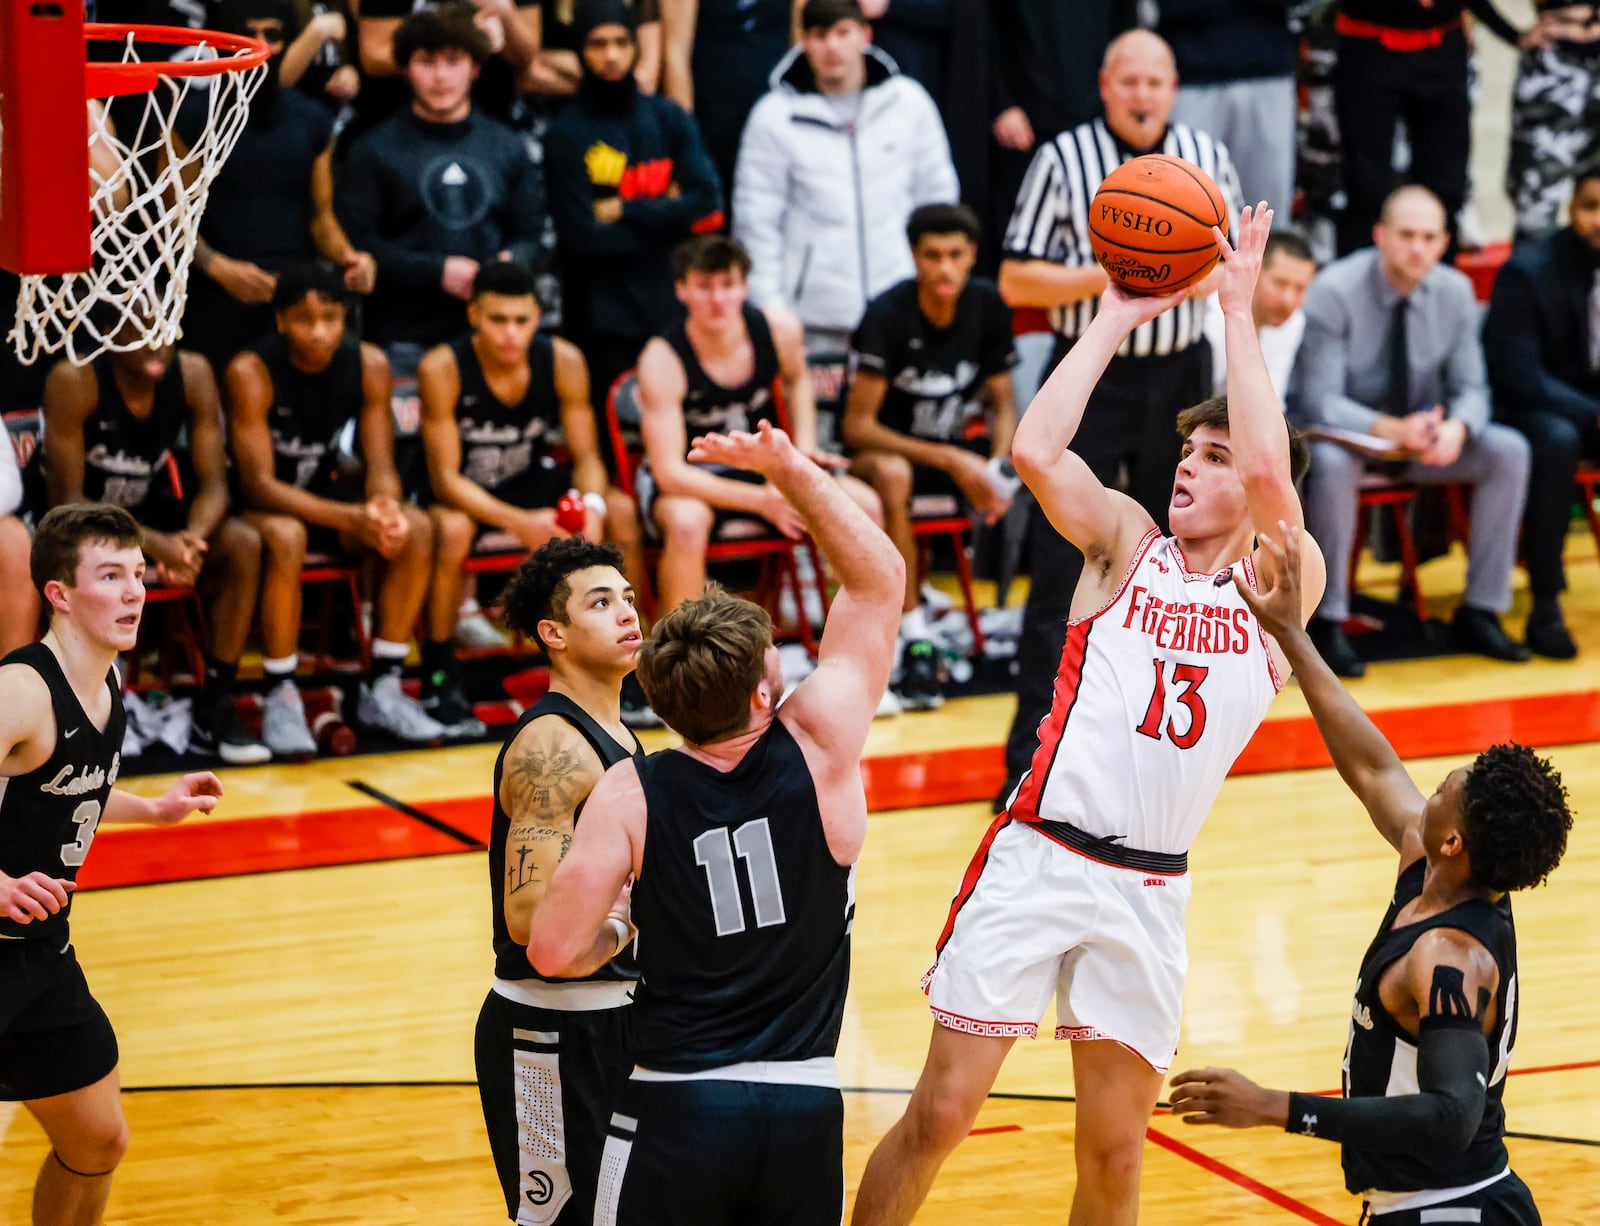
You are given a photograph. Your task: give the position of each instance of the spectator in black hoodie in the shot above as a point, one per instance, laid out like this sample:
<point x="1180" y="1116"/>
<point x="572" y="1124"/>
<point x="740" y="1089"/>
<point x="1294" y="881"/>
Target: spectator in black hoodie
<point x="629" y="179"/>
<point x="437" y="190"/>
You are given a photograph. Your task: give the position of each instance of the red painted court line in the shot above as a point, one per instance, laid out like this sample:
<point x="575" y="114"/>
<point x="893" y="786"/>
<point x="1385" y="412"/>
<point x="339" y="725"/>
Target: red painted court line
<point x="984" y="1132"/>
<point x="893" y="781"/>
<point x="1237" y="1177"/>
<point x="357" y="835"/>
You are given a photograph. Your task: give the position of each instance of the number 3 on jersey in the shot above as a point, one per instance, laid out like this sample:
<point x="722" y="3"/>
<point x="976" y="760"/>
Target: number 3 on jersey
<point x="752" y="842"/>
<point x="1190" y="676"/>
<point x="87" y="817"/>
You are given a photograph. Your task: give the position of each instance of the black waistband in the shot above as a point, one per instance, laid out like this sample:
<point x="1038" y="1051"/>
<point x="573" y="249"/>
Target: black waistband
<point x="1107" y="849"/>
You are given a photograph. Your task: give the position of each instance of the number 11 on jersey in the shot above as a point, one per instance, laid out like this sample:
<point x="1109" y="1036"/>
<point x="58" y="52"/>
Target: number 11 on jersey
<point x="752" y="842"/>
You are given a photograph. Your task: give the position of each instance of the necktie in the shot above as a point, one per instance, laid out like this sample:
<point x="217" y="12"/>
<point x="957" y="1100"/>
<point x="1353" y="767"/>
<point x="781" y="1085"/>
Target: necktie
<point x="1398" y="401"/>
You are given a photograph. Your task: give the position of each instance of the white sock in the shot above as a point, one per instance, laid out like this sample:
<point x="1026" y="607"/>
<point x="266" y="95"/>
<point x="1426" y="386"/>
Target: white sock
<point x="280" y="668"/>
<point x="914" y="625"/>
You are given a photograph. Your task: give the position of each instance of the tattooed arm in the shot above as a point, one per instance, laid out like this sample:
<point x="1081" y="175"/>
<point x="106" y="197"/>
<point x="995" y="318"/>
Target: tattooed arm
<point x="549" y="771"/>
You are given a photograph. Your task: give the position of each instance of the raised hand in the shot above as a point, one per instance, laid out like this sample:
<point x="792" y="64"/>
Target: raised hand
<point x="1278" y="604"/>
<point x="764" y="451"/>
<point x="1241" y="260"/>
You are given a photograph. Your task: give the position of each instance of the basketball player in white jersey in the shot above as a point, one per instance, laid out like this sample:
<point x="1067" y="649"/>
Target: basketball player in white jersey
<point x="1080" y="887"/>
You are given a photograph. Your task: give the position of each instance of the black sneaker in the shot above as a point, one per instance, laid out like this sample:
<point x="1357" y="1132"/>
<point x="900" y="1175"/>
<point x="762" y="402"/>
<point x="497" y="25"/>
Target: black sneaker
<point x="637" y="712"/>
<point x="919" y="677"/>
<point x="1329" y="638"/>
<point x="217" y="733"/>
<point x="445" y="700"/>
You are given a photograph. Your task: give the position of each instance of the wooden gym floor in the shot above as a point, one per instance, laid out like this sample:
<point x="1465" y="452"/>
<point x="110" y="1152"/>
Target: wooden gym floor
<point x="294" y="980"/>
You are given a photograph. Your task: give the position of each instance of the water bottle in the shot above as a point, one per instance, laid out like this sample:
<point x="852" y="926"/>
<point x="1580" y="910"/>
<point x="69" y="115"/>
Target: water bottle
<point x="334" y="737"/>
<point x="571" y="513"/>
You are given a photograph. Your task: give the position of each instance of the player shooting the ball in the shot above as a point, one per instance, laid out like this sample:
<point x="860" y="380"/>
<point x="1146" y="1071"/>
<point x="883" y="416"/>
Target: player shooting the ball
<point x="1080" y="887"/>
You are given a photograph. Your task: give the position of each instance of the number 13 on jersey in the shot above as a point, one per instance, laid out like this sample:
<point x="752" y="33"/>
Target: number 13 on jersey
<point x="1190" y="677"/>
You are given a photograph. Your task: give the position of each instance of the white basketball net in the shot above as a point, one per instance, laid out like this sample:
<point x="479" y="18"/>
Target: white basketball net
<point x="146" y="217"/>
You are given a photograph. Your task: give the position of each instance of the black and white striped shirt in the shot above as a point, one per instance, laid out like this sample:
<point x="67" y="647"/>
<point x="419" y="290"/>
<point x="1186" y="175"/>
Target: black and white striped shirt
<point x="1051" y="221"/>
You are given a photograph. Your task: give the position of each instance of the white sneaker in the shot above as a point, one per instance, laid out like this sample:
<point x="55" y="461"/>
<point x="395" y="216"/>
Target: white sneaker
<point x="935" y="602"/>
<point x="388" y="708"/>
<point x="283" y="723"/>
<point x="643" y="716"/>
<point x="477" y="633"/>
<point x="888" y="705"/>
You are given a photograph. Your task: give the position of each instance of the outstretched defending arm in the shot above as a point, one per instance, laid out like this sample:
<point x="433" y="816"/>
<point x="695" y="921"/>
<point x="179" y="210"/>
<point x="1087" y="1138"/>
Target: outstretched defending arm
<point x="1367" y="762"/>
<point x="1436" y="1122"/>
<point x="1102" y="523"/>
<point x="833" y="707"/>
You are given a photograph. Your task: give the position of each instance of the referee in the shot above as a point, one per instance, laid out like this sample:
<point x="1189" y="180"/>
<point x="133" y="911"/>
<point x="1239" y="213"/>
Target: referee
<point x="1163" y="368"/>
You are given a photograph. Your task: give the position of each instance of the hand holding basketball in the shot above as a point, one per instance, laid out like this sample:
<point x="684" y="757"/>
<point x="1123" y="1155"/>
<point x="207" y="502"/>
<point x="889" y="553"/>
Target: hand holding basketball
<point x="1241" y="264"/>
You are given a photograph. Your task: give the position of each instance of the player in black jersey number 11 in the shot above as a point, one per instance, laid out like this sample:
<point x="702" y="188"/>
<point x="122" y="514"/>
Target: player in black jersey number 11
<point x="1435" y="1012"/>
<point x="61" y="727"/>
<point x="742" y="845"/>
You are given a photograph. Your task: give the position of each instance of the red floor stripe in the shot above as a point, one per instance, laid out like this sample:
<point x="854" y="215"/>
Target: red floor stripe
<point x="984" y="1132"/>
<point x="1237" y="1177"/>
<point x="894" y="781"/>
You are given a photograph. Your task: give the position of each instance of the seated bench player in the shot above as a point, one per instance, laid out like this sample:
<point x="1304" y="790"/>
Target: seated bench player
<point x="142" y="430"/>
<point x="714" y="373"/>
<point x="494" y="404"/>
<point x="290" y="397"/>
<point x="931" y="407"/>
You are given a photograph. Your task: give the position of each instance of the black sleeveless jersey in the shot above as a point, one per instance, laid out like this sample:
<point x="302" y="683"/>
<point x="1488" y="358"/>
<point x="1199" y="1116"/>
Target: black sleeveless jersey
<point x="510" y="958"/>
<point x="309" y="412"/>
<point x="500" y="442"/>
<point x="743" y="913"/>
<point x="126" y="458"/>
<point x="49" y="815"/>
<point x="708" y="406"/>
<point x="1382" y="1058"/>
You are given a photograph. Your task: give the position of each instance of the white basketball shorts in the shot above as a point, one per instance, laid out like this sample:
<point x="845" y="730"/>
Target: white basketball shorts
<point x="1034" y="917"/>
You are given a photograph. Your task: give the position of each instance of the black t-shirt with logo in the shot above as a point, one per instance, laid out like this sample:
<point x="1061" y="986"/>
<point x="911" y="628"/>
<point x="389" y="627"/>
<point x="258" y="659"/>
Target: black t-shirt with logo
<point x="936" y="375"/>
<point x="414" y="192"/>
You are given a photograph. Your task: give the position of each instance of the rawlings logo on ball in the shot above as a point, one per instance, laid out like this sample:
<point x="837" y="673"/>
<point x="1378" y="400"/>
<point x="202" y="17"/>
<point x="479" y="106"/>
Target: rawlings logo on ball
<point x="1126" y="268"/>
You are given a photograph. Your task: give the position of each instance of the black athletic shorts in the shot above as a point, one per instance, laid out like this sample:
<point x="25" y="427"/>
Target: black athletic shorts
<point x="537" y="488"/>
<point x="723" y="1153"/>
<point x="1506" y="1202"/>
<point x="54" y="1036"/>
<point x="549" y="1080"/>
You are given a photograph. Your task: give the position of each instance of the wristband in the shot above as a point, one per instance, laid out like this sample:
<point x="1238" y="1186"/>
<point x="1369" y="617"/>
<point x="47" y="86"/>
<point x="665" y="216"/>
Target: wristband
<point x="596" y="503"/>
<point x="624" y="936"/>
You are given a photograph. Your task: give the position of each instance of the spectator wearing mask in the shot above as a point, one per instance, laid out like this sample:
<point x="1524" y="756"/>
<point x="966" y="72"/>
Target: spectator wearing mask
<point x="833" y="161"/>
<point x="1542" y="347"/>
<point x="1391" y="349"/>
<point x="436" y="191"/>
<point x="716" y="56"/>
<point x="1236" y="63"/>
<point x="322" y="61"/>
<point x="271" y="205"/>
<point x="628" y="180"/>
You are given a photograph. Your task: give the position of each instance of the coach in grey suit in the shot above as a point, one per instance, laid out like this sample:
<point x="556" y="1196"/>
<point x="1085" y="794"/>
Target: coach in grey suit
<point x="1391" y="349"/>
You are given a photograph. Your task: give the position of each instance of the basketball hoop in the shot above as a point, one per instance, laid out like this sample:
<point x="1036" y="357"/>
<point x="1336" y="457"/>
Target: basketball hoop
<point x="146" y="170"/>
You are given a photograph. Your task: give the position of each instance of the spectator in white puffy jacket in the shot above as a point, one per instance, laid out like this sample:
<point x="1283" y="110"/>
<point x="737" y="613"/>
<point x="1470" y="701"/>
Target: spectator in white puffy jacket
<point x="833" y="160"/>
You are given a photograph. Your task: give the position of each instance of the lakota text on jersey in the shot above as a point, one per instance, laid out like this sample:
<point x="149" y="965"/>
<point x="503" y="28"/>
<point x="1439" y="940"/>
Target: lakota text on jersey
<point x="1204" y="628"/>
<point x="91" y="780"/>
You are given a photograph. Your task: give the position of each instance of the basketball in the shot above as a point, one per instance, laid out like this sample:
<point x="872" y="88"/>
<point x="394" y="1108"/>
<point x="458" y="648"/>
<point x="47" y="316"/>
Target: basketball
<point x="1150" y="224"/>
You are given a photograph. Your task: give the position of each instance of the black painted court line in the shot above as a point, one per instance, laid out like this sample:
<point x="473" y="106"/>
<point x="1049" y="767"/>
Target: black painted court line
<point x="411" y="811"/>
<point x="1539" y="1136"/>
